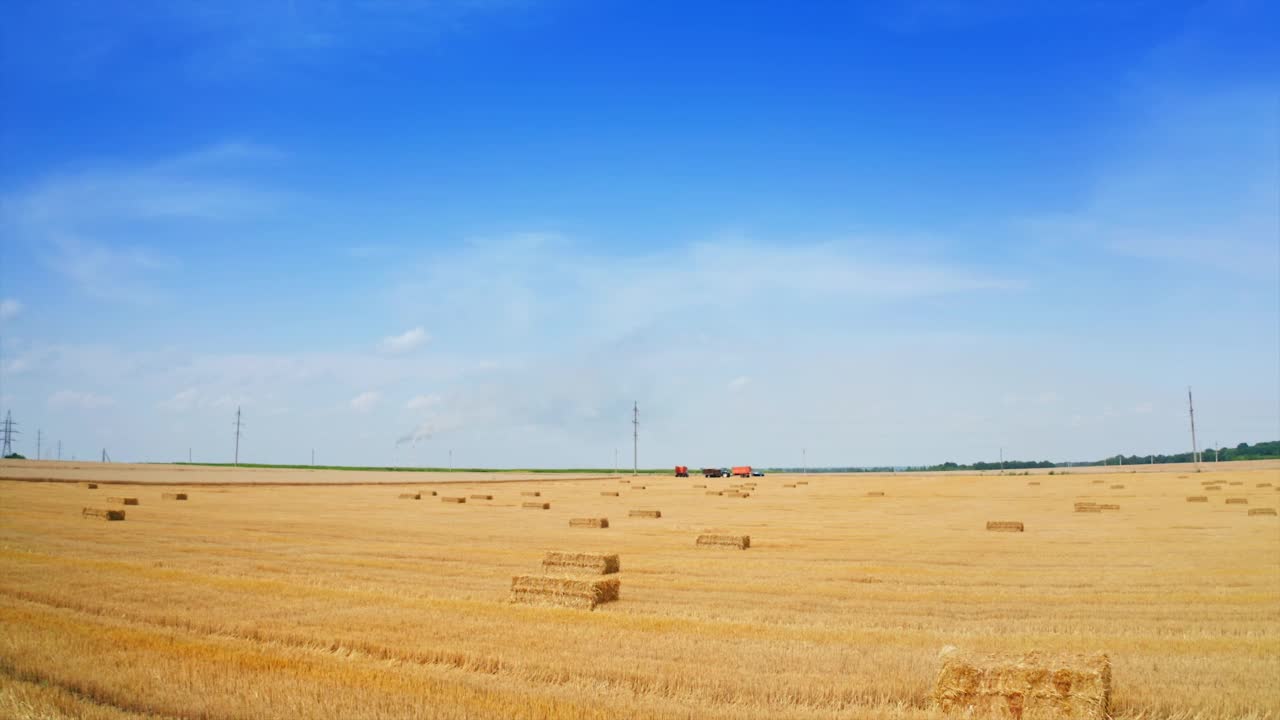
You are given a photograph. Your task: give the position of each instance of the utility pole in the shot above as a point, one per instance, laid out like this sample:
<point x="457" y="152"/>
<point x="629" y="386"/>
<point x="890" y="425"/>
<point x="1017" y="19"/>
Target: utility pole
<point x="188" y="456"/>
<point x="1215" y="453"/>
<point x="237" y="435"/>
<point x="104" y="455"/>
<point x="39" y="437"/>
<point x="804" y="461"/>
<point x="1001" y="461"/>
<point x="1191" y="410"/>
<point x="313" y="457"/>
<point x="59" y="449"/>
<point x="8" y="432"/>
<point x="635" y="439"/>
<point x="615" y="461"/>
<point x="450" y="459"/>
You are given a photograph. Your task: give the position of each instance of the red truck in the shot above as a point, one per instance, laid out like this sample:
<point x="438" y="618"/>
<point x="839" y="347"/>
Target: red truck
<point x="682" y="471"/>
<point x="742" y="471"/>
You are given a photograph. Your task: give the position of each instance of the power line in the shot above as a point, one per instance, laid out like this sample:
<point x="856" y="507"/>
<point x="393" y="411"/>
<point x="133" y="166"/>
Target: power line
<point x="8" y="433"/>
<point x="237" y="461"/>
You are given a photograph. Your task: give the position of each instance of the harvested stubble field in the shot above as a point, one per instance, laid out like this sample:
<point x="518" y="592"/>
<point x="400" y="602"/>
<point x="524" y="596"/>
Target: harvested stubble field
<point x="330" y="602"/>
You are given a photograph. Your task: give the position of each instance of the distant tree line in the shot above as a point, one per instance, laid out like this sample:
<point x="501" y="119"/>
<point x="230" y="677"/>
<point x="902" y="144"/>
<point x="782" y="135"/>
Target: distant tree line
<point x="1243" y="451"/>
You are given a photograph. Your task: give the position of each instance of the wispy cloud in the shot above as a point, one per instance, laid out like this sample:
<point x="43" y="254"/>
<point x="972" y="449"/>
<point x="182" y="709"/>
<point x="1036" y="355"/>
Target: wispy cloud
<point x="405" y="341"/>
<point x="365" y="401"/>
<point x="80" y="400"/>
<point x="9" y="309"/>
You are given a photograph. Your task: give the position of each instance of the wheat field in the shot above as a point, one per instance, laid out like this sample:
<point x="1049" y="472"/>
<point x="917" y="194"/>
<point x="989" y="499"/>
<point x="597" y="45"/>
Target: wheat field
<point x="343" y="601"/>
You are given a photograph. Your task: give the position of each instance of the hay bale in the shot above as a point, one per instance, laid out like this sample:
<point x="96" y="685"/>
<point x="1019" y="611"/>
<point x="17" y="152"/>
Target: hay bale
<point x="1237" y="482"/>
<point x="531" y="493"/>
<point x="536" y="506"/>
<point x="644" y="513"/>
<point x="1197" y="498"/>
<point x="637" y="487"/>
<point x="580" y="593"/>
<point x="1262" y="511"/>
<point x="1034" y="482"/>
<point x="1264" y="484"/>
<point x="698" y="487"/>
<point x="433" y="493"/>
<point x="788" y="485"/>
<point x="875" y="494"/>
<point x="715" y="492"/>
<point x="609" y="493"/>
<point x="173" y="496"/>
<point x="481" y="497"/>
<point x="1237" y="501"/>
<point x="1212" y="487"/>
<point x="94" y="486"/>
<point x="99" y="514"/>
<point x="578" y="563"/>
<point x="410" y="496"/>
<point x="589" y="522"/>
<point x="741" y="542"/>
<point x="123" y="500"/>
<point x="1117" y="487"/>
<point x="1098" y="482"/>
<point x="1088" y="509"/>
<point x="1105" y="506"/>
<point x="1035" y="685"/>
<point x="1004" y="526"/>
<point x="802" y="482"/>
<point x="736" y="493"/>
<point x="458" y="500"/>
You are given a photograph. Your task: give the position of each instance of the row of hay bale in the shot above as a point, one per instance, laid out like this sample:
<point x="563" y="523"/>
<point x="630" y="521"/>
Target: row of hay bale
<point x="117" y="515"/>
<point x="1085" y="506"/>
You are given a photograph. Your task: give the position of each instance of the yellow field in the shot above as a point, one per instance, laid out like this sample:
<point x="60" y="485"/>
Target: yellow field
<point x="348" y="602"/>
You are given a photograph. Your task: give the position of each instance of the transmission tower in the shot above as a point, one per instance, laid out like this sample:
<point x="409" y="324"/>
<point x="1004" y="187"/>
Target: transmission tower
<point x="1191" y="408"/>
<point x="635" y="438"/>
<point x="8" y="432"/>
<point x="237" y="435"/>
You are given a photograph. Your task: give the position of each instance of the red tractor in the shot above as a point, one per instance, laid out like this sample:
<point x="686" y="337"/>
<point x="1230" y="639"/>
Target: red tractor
<point x="682" y="471"/>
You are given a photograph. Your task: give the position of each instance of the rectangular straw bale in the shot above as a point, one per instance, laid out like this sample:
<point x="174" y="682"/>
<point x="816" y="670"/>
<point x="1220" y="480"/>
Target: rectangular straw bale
<point x="580" y="563"/>
<point x="433" y="493"/>
<point x="715" y="492"/>
<point x="410" y="496"/>
<point x="1237" y="501"/>
<point x="1236" y="482"/>
<point x="788" y="485"/>
<point x="1089" y="508"/>
<point x="173" y="496"/>
<point x="644" y="513"/>
<point x="531" y="493"/>
<point x="94" y="486"/>
<point x="536" y="506"/>
<point x="580" y="593"/>
<point x="1004" y="525"/>
<point x="875" y="494"/>
<point x="481" y="497"/>
<point x="802" y="482"/>
<point x="1264" y="484"/>
<point x="1212" y="487"/>
<point x="637" y="487"/>
<point x="741" y="542"/>
<point x="1117" y="487"/>
<point x="1262" y="511"/>
<point x="123" y="500"/>
<point x="1088" y="503"/>
<point x="1035" y="685"/>
<point x="1098" y="482"/>
<point x="589" y="522"/>
<point x="101" y="514"/>
<point x="1034" y="482"/>
<point x="698" y="487"/>
<point x="1105" y="506"/>
<point x="458" y="500"/>
<point x="608" y="493"/>
<point x="1197" y="498"/>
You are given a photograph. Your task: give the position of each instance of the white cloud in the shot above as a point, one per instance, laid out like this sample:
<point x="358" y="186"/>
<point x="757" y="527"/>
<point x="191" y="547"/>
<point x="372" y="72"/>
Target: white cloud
<point x="365" y="401"/>
<point x="405" y="341"/>
<point x="738" y="383"/>
<point x="9" y="308"/>
<point x="422" y="402"/>
<point x="80" y="400"/>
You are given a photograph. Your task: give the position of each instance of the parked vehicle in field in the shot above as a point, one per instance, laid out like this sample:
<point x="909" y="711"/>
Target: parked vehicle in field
<point x="713" y="472"/>
<point x="742" y="471"/>
<point x="757" y="473"/>
<point x="682" y="471"/>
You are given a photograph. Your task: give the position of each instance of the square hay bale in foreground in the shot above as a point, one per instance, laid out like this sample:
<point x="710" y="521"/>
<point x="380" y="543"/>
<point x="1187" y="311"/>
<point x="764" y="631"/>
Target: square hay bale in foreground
<point x="579" y="563"/>
<point x="173" y="496"/>
<point x="1262" y="511"/>
<point x="536" y="506"/>
<point x="410" y="496"/>
<point x="458" y="500"/>
<point x="589" y="522"/>
<point x="581" y="593"/>
<point x="644" y="513"/>
<point x="1004" y="526"/>
<point x="1237" y="501"/>
<point x="608" y="493"/>
<point x="101" y="514"/>
<point x="875" y="493"/>
<point x="741" y="542"/>
<point x="1035" y="685"/>
<point x="1264" y="484"/>
<point x="1197" y="498"/>
<point x="123" y="500"/>
<point x="481" y="497"/>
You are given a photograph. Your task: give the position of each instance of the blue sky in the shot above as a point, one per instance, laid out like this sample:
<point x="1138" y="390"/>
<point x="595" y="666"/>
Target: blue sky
<point x="889" y="233"/>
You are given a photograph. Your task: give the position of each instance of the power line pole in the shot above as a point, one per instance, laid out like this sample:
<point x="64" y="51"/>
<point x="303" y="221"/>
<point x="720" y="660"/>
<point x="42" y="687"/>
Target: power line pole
<point x="1191" y="409"/>
<point x="59" y="449"/>
<point x="188" y="456"/>
<point x="237" y="435"/>
<point x="313" y="457"/>
<point x="450" y="459"/>
<point x="615" y="461"/>
<point x="804" y="461"/>
<point x="8" y="433"/>
<point x="1001" y="461"/>
<point x="39" y="437"/>
<point x="635" y="438"/>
